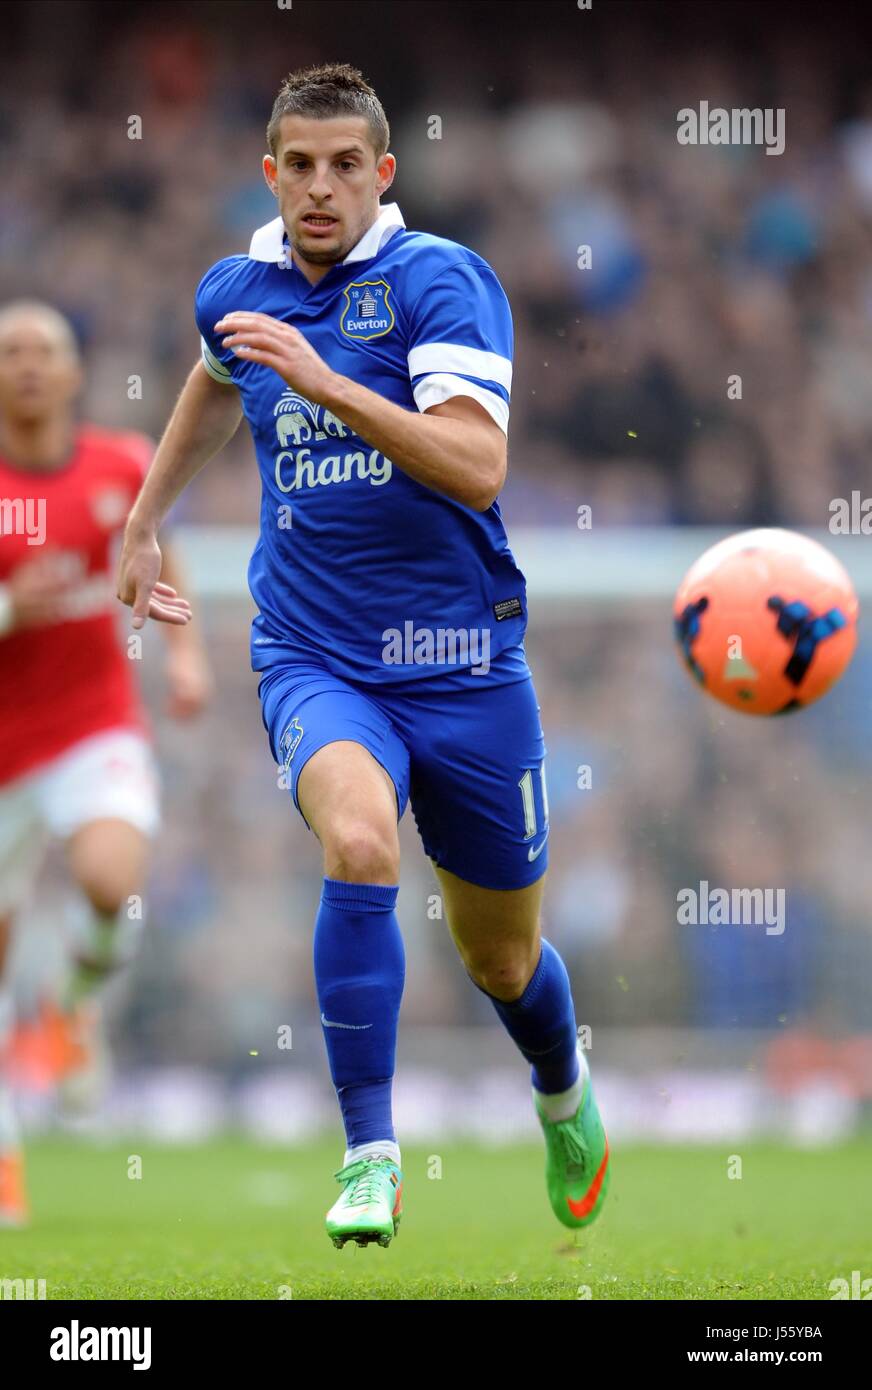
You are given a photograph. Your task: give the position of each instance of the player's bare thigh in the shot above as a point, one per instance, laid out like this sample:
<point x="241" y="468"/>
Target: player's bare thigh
<point x="349" y="800"/>
<point x="107" y="860"/>
<point x="497" y="933"/>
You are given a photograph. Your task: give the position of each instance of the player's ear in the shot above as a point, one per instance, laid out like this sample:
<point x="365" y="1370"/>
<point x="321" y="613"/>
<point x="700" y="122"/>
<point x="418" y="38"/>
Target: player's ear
<point x="270" y="171"/>
<point x="385" y="171"/>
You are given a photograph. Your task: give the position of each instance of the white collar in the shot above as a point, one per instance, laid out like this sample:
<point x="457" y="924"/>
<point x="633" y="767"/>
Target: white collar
<point x="268" y="243"/>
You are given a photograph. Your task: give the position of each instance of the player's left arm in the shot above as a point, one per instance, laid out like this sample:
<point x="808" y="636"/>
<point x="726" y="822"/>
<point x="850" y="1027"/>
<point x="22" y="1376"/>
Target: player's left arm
<point x="188" y="671"/>
<point x="459" y="345"/>
<point x="453" y="447"/>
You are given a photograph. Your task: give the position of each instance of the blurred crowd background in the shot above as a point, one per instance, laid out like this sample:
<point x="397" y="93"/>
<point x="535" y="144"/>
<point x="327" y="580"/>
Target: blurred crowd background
<point x="558" y="129"/>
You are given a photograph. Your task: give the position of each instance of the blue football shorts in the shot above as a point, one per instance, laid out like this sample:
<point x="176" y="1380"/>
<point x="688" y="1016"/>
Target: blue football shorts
<point x="468" y="751"/>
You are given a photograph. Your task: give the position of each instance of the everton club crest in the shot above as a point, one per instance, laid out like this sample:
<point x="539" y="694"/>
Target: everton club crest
<point x="366" y="310"/>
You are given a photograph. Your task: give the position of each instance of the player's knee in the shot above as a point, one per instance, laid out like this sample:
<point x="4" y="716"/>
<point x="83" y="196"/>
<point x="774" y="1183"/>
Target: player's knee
<point x="107" y="889"/>
<point x="359" y="851"/>
<point x="108" y="865"/>
<point x="505" y="976"/>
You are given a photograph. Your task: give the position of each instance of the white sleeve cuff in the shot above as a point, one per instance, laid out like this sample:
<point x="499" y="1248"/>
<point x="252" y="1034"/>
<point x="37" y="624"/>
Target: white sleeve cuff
<point x="442" y="386"/>
<point x="216" y="369"/>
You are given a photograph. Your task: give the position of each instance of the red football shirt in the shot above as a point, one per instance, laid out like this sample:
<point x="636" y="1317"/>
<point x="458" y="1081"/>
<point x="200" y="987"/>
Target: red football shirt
<point x="62" y="682"/>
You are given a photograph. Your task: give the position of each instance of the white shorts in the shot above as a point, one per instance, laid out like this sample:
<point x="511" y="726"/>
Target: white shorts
<point x="109" y="776"/>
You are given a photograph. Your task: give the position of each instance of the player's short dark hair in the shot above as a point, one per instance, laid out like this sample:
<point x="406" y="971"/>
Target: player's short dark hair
<point x="333" y="89"/>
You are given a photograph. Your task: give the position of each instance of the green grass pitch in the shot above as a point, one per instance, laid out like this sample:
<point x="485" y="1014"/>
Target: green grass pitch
<point x="235" y="1220"/>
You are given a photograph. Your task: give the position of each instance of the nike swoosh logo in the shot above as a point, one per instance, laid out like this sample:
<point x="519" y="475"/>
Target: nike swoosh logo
<point x="355" y="1026"/>
<point x="534" y="853"/>
<point x="586" y="1204"/>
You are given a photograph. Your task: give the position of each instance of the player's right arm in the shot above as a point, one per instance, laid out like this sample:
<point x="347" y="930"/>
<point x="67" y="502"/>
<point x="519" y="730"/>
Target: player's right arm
<point x="206" y="417"/>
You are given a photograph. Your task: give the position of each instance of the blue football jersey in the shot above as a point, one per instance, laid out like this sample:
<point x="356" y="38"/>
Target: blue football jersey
<point x="357" y="562"/>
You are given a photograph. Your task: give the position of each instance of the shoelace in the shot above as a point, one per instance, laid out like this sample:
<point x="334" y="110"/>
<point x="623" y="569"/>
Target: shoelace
<point x="365" y="1175"/>
<point x="575" y="1150"/>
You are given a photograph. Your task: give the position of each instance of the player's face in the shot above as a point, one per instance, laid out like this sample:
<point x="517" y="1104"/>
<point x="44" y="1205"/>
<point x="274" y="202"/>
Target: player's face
<point x="39" y="374"/>
<point x="328" y="183"/>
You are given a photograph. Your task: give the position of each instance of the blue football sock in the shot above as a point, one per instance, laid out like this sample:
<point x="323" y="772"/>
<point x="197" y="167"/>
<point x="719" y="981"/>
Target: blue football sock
<point x="360" y="969"/>
<point x="542" y="1024"/>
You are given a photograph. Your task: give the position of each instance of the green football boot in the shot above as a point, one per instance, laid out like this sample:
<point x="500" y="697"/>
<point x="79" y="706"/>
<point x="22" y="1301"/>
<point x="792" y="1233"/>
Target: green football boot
<point x="371" y="1203"/>
<point x="577" y="1160"/>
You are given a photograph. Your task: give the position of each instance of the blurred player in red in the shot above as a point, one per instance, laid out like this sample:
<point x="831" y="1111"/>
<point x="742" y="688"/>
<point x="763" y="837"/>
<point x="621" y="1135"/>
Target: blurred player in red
<point x="75" y="757"/>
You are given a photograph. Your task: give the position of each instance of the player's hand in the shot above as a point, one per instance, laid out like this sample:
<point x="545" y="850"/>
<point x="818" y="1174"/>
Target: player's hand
<point x="189" y="679"/>
<point x="38" y="589"/>
<point x="140" y="588"/>
<point x="260" y="338"/>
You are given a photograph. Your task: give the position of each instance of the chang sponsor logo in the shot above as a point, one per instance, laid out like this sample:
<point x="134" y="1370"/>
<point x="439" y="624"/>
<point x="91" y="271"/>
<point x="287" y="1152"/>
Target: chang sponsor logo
<point x="298" y="470"/>
<point x="301" y="424"/>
